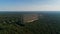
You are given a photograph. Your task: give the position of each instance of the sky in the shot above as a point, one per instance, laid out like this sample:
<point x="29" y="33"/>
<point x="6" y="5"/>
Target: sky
<point x="29" y="5"/>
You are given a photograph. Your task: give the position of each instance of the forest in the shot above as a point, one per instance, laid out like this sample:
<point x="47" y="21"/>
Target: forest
<point x="49" y="24"/>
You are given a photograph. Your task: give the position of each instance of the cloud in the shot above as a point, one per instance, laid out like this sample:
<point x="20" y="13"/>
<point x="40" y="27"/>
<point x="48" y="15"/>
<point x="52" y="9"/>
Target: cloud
<point x="39" y="8"/>
<point x="51" y="5"/>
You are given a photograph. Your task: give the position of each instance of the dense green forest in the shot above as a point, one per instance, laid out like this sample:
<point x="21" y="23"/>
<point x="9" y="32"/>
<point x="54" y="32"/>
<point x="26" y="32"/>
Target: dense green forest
<point x="49" y="24"/>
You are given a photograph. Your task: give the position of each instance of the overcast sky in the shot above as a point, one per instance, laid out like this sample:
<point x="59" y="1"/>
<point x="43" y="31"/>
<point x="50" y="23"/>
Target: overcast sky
<point x="29" y="5"/>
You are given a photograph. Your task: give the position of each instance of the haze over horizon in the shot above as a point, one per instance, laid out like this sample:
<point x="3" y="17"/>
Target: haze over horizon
<point x="29" y="5"/>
